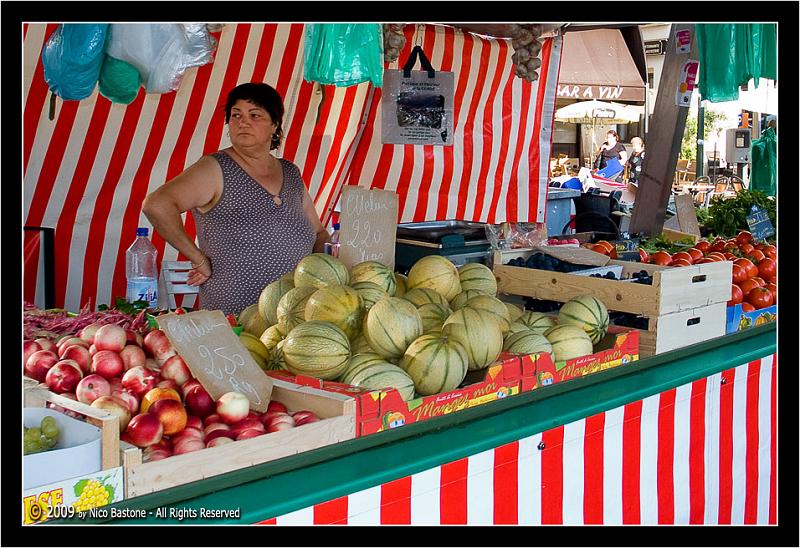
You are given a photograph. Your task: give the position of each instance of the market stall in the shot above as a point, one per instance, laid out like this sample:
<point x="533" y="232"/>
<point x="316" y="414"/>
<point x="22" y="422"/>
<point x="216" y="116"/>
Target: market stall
<point x="498" y="400"/>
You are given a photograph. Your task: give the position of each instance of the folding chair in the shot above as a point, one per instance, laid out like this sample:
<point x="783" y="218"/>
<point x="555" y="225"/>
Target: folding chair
<point x="172" y="281"/>
<point x="737" y="183"/>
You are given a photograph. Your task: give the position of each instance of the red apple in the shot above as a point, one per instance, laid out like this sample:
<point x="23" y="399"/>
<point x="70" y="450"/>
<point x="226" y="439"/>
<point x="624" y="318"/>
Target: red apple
<point x="28" y="348"/>
<point x="145" y="429"/>
<point x="194" y="421"/>
<point x="250" y="433"/>
<point x="279" y="422"/>
<point x="139" y="380"/>
<point x="276" y="406"/>
<point x="176" y="369"/>
<point x="168" y="383"/>
<point x="115" y="406"/>
<point x="188" y="385"/>
<point x="157" y="345"/>
<point x="199" y="402"/>
<point x="212" y="419"/>
<point x="304" y="417"/>
<point x="39" y="363"/>
<point x="64" y="376"/>
<point x="219" y="433"/>
<point x="188" y="445"/>
<point x="110" y="337"/>
<point x="221" y="440"/>
<point x="92" y="387"/>
<point x="88" y="332"/>
<point x="233" y="407"/>
<point x="171" y="413"/>
<point x="131" y="401"/>
<point x="246" y="424"/>
<point x="216" y="426"/>
<point x="78" y="353"/>
<point x="132" y="356"/>
<point x="107" y="363"/>
<point x="47" y="344"/>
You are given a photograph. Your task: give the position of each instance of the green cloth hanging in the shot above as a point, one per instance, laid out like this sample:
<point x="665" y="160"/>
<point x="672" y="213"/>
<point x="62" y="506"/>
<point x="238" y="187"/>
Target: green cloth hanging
<point x="119" y="81"/>
<point x="764" y="157"/>
<point x="732" y="54"/>
<point x="344" y="54"/>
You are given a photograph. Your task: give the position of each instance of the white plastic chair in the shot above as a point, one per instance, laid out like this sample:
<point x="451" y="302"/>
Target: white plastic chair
<point x="172" y="281"/>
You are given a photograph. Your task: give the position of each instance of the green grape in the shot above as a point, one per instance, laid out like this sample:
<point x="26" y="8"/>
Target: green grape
<point x="33" y="433"/>
<point x="49" y="427"/>
<point x="50" y="443"/>
<point x="32" y="447"/>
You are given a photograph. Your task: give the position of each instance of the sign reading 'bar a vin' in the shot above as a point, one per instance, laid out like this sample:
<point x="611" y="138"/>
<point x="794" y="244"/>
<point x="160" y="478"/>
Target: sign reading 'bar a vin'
<point x="216" y="357"/>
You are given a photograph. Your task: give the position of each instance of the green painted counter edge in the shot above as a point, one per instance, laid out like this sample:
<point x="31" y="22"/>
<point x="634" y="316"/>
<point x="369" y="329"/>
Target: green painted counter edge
<point x="279" y="487"/>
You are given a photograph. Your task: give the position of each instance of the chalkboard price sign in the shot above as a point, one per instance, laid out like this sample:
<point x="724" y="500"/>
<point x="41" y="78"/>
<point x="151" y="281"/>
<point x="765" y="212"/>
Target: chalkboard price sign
<point x="368" y="226"/>
<point x="216" y="357"/>
<point x="759" y="224"/>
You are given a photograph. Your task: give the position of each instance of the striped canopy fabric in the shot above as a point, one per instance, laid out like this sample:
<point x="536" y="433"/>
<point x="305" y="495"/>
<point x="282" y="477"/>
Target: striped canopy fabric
<point x="88" y="170"/>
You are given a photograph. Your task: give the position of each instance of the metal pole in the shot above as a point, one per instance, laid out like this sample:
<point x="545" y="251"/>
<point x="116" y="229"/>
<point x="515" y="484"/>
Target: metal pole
<point x="698" y="169"/>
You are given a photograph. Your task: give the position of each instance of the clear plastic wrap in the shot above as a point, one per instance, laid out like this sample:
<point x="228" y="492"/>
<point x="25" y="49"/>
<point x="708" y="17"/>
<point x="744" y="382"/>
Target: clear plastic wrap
<point x="516" y="235"/>
<point x="161" y="52"/>
<point x="344" y="54"/>
<point x="72" y="58"/>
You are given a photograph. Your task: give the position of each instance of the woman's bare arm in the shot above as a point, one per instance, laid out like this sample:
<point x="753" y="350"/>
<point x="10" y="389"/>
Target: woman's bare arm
<point x="313" y="219"/>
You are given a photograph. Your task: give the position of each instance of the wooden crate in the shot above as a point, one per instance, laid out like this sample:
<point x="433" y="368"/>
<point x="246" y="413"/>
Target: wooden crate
<point x="338" y="422"/>
<point x="37" y="395"/>
<point x="684" y="305"/>
<point x="673" y="289"/>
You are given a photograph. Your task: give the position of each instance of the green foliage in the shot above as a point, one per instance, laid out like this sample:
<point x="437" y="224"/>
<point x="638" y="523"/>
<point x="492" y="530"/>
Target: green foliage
<point x="662" y="243"/>
<point x="728" y="217"/>
<point x="712" y="120"/>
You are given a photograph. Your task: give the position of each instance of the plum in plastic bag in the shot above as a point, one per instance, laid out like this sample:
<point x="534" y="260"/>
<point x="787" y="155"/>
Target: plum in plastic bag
<point x="72" y="59"/>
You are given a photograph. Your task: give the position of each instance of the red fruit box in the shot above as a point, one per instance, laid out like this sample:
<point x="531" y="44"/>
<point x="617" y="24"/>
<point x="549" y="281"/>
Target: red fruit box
<point x="619" y="347"/>
<point x="379" y="410"/>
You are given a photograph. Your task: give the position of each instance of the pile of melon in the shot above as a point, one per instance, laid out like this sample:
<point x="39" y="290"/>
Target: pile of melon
<point x="368" y="326"/>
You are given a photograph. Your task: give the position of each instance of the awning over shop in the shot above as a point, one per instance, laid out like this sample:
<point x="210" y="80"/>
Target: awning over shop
<point x="597" y="64"/>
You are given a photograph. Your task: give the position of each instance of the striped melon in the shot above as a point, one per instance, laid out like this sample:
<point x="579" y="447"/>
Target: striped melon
<point x="437" y="273"/>
<point x="317" y="349"/>
<point x="319" y="270"/>
<point x="391" y="325"/>
<point x="436" y="363"/>
<point x="514" y="311"/>
<point x="480" y="336"/>
<point x="402" y="283"/>
<point x="270" y="339"/>
<point x="379" y="375"/>
<point x="375" y="272"/>
<point x="461" y="299"/>
<point x="339" y="305"/>
<point x="292" y="307"/>
<point x="251" y="320"/>
<point x="516" y="327"/>
<point x="433" y="316"/>
<point x="492" y="307"/>
<point x="424" y="295"/>
<point x="536" y="321"/>
<point x="477" y="276"/>
<point x="277" y="361"/>
<point x="357" y="362"/>
<point x="568" y="342"/>
<point x="527" y="342"/>
<point x="369" y="292"/>
<point x="588" y="313"/>
<point x="360" y="345"/>
<point x="271" y="296"/>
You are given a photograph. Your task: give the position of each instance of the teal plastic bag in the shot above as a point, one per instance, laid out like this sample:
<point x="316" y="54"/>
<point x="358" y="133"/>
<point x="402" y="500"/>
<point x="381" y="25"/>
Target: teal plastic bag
<point x="344" y="54"/>
<point x="119" y="81"/>
<point x="764" y="158"/>
<point x="72" y="59"/>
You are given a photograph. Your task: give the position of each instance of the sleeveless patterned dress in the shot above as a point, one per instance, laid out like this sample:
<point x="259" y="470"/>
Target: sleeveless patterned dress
<point x="249" y="240"/>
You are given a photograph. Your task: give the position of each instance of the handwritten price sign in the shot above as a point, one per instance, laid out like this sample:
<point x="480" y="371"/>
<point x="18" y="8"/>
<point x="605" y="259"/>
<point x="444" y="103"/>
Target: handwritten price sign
<point x="216" y="357"/>
<point x="368" y="226"/>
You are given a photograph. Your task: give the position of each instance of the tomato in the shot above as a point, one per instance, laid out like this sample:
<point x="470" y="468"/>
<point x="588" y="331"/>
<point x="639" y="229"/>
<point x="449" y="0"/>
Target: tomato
<point x="716" y="255"/>
<point x="706" y="260"/>
<point x="736" y="295"/>
<point x="730" y="257"/>
<point x="680" y="262"/>
<point x="644" y="257"/>
<point x="730" y="246"/>
<point x="767" y="268"/>
<point x="746" y="248"/>
<point x="599" y="249"/>
<point x="718" y="245"/>
<point x="771" y="279"/>
<point x="683" y="255"/>
<point x="774" y="290"/>
<point x="744" y="237"/>
<point x="750" y="268"/>
<point x="756" y="256"/>
<point x="770" y="251"/>
<point x="695" y="253"/>
<point x="760" y="246"/>
<point x="703" y="246"/>
<point x="747" y="286"/>
<point x="739" y="273"/>
<point x="759" y="281"/>
<point x="760" y="297"/>
<point x="608" y="245"/>
<point x="613" y="253"/>
<point x="661" y="258"/>
<point x="747" y="307"/>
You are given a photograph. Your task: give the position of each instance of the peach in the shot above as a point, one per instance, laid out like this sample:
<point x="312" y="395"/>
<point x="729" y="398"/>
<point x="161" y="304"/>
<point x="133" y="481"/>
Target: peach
<point x="39" y="363"/>
<point x="250" y="433"/>
<point x="115" y="406"/>
<point x="157" y="345"/>
<point x="219" y="433"/>
<point x="188" y="385"/>
<point x="145" y="429"/>
<point x="64" y="376"/>
<point x="233" y="407"/>
<point x="88" y="332"/>
<point x="92" y="387"/>
<point x="176" y="369"/>
<point x="131" y="401"/>
<point x="304" y="417"/>
<point x="156" y="454"/>
<point x="107" y="363"/>
<point x="199" y="401"/>
<point x="216" y="426"/>
<point x="212" y="419"/>
<point x="133" y="338"/>
<point x="139" y="380"/>
<point x="246" y="424"/>
<point x="188" y="446"/>
<point x="279" y="422"/>
<point x="28" y="348"/>
<point x="194" y="421"/>
<point x="110" y="337"/>
<point x="78" y="353"/>
<point x="132" y="356"/>
<point x="157" y="394"/>
<point x="221" y="440"/>
<point x="47" y="344"/>
<point x="171" y="413"/>
<point x="168" y="383"/>
<point x="276" y="406"/>
<point x="72" y="341"/>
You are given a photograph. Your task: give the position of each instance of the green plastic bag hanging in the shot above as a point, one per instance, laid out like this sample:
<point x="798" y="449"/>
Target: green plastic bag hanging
<point x="344" y="54"/>
<point x="764" y="157"/>
<point x="119" y="81"/>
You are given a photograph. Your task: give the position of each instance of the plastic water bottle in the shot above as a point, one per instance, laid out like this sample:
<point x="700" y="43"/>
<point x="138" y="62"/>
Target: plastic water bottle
<point x="332" y="245"/>
<point x="141" y="270"/>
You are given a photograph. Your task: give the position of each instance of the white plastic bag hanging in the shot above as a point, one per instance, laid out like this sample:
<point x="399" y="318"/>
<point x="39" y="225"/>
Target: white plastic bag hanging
<point x="161" y="52"/>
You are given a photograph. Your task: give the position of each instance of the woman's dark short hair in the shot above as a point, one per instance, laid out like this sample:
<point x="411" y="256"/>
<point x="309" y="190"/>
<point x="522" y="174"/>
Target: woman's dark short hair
<point x="264" y="96"/>
<point x="614" y="133"/>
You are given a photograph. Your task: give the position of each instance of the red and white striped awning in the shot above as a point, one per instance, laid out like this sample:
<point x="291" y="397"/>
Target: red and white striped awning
<point x="87" y="171"/>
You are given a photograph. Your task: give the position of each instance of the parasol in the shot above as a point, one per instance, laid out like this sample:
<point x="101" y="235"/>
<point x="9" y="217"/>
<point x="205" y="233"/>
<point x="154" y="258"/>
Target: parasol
<point x="590" y="112"/>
